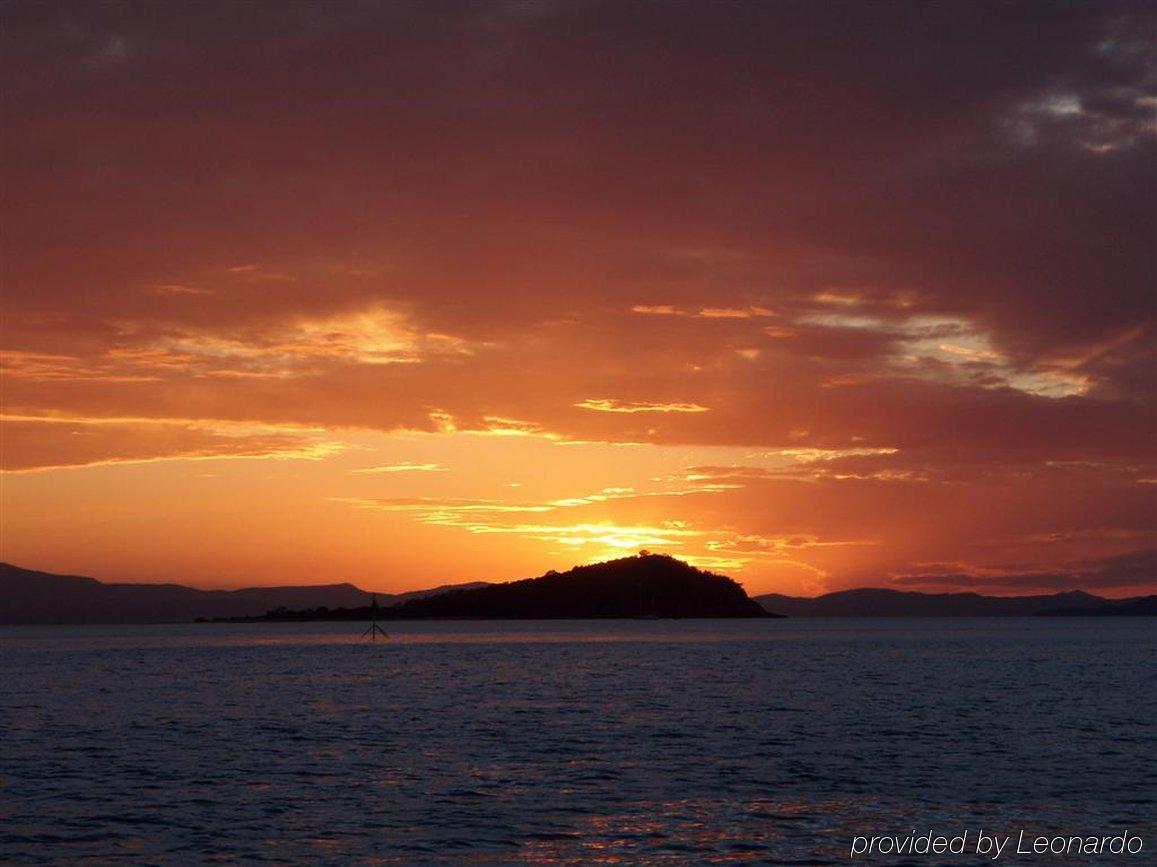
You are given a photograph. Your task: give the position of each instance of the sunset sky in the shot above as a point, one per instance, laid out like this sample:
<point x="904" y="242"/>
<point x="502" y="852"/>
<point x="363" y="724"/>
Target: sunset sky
<point x="816" y="295"/>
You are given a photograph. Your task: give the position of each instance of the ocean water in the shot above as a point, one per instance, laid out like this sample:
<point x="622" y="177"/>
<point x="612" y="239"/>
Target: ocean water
<point x="628" y="742"/>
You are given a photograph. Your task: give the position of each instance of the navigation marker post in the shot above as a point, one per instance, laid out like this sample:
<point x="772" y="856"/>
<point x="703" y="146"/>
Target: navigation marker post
<point x="374" y="631"/>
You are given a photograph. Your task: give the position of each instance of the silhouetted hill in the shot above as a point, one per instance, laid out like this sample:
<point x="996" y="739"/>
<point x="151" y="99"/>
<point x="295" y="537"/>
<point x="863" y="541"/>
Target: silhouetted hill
<point x="1138" y="606"/>
<point x="28" y="596"/>
<point x="879" y="602"/>
<point x="648" y="585"/>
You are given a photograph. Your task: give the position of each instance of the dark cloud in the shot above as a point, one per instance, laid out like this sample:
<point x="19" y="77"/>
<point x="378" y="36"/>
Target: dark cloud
<point x="491" y="149"/>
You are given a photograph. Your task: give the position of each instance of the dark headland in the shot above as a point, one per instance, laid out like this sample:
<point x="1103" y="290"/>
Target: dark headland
<point x="884" y="602"/>
<point x="31" y="597"/>
<point x="647" y="585"/>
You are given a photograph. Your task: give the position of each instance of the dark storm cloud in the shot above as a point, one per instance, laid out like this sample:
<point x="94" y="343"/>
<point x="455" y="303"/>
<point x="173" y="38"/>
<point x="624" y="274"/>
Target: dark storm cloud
<point x="905" y="143"/>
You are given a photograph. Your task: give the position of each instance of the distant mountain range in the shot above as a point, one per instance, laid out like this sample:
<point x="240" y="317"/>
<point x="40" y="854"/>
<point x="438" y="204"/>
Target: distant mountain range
<point x="644" y="586"/>
<point x="28" y="596"/>
<point x="872" y="602"/>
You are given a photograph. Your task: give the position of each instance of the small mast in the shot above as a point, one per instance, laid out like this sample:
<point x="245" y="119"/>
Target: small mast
<point x="374" y="631"/>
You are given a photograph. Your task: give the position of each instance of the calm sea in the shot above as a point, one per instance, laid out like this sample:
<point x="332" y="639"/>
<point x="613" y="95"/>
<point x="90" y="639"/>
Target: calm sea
<point x="569" y="742"/>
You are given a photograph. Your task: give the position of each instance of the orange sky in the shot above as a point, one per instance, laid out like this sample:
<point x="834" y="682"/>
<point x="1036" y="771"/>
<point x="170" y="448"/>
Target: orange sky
<point x="814" y="296"/>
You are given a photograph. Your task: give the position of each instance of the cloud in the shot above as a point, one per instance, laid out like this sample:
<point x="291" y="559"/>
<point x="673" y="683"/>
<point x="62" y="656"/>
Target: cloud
<point x="404" y="467"/>
<point x="370" y="336"/>
<point x="734" y="312"/>
<point x="657" y="310"/>
<point x="704" y="312"/>
<point x="43" y="444"/>
<point x="45" y="367"/>
<point x="602" y="537"/>
<point x="179" y="289"/>
<point x="435" y="508"/>
<point x="610" y="405"/>
<point x="438" y="506"/>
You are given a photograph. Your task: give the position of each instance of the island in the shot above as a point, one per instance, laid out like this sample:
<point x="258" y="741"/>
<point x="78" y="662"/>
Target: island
<point x="643" y="586"/>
